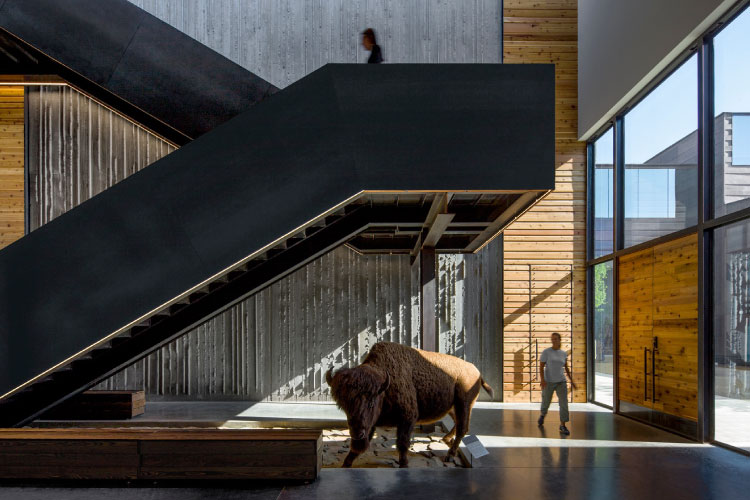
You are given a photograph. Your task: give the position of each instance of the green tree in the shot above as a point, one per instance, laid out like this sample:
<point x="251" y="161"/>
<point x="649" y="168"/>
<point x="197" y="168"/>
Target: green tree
<point x="601" y="279"/>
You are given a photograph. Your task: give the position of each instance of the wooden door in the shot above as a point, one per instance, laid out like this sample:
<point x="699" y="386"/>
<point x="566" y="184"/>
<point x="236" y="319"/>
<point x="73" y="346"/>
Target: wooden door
<point x="635" y="327"/>
<point x="658" y="328"/>
<point x="676" y="327"/>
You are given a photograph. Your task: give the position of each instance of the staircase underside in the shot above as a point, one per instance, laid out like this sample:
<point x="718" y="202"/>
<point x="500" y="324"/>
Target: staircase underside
<point x="129" y="60"/>
<point x="448" y="222"/>
<point x="390" y="158"/>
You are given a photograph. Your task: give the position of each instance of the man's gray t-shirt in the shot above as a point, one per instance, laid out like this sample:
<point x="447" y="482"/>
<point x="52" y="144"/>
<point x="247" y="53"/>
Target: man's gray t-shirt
<point x="554" y="370"/>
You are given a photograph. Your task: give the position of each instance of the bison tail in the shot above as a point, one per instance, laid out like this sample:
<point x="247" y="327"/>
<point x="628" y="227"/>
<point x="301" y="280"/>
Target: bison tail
<point x="487" y="388"/>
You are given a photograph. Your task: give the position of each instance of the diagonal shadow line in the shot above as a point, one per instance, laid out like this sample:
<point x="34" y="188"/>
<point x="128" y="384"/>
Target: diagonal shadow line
<point x="519" y="362"/>
<point x="538" y="298"/>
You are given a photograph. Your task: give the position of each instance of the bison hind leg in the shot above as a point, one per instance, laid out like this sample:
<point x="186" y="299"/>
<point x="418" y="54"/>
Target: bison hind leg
<point x="462" y="415"/>
<point x="448" y="438"/>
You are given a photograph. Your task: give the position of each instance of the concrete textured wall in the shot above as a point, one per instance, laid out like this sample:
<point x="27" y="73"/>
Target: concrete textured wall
<point x="77" y="148"/>
<point x="470" y="311"/>
<point x="278" y="344"/>
<point x="284" y="40"/>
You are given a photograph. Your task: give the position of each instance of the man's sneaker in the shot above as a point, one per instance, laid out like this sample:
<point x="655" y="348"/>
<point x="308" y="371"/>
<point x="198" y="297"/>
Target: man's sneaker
<point x="540" y="422"/>
<point x="564" y="430"/>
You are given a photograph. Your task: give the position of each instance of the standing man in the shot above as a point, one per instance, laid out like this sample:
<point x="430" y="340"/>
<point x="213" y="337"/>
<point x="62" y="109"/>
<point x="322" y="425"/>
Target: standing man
<point x="368" y="42"/>
<point x="551" y="365"/>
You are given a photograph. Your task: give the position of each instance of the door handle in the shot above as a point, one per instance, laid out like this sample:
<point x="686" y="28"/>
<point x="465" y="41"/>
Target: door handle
<point x="645" y="373"/>
<point x="653" y="376"/>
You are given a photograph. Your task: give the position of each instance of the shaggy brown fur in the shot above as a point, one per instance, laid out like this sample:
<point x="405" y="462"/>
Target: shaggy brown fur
<point x="398" y="386"/>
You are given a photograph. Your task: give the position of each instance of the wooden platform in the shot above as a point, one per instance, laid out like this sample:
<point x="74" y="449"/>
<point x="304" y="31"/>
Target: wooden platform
<point x="99" y="405"/>
<point x="161" y="454"/>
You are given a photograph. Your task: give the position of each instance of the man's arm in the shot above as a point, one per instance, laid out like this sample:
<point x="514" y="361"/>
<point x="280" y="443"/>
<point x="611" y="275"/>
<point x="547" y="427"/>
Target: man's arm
<point x="567" y="370"/>
<point x="541" y="374"/>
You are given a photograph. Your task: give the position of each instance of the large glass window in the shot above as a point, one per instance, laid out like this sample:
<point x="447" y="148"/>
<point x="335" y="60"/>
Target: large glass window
<point x="732" y="334"/>
<point x="603" y="192"/>
<point x="732" y="120"/>
<point x="660" y="196"/>
<point x="603" y="333"/>
<point x="661" y="158"/>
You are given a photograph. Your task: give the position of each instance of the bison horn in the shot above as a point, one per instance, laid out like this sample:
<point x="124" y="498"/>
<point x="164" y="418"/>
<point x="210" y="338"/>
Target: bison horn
<point x="329" y="376"/>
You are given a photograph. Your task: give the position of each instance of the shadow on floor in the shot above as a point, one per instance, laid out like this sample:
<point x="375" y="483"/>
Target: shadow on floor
<point x="606" y="456"/>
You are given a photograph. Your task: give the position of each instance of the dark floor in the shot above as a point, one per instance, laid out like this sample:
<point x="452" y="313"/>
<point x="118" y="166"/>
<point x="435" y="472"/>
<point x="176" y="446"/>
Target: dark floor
<point x="604" y="457"/>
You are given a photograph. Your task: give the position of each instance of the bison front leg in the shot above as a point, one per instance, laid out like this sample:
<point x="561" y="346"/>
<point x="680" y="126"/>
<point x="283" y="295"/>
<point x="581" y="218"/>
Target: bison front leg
<point x="349" y="460"/>
<point x="403" y="440"/>
<point x="356" y="448"/>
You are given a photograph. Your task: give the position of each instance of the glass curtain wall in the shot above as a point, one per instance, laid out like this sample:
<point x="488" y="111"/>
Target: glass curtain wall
<point x="603" y="194"/>
<point x="732" y="334"/>
<point x="732" y="117"/>
<point x="659" y="169"/>
<point x="661" y="158"/>
<point x="603" y="305"/>
<point x="731" y="243"/>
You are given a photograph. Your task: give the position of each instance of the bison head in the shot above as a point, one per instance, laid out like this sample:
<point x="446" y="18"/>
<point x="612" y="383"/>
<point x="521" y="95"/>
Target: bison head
<point x="359" y="392"/>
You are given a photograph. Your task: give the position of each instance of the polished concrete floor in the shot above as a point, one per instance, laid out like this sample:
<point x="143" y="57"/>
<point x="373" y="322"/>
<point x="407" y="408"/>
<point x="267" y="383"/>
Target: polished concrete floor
<point x="605" y="456"/>
<point x="733" y="421"/>
<point x="604" y="390"/>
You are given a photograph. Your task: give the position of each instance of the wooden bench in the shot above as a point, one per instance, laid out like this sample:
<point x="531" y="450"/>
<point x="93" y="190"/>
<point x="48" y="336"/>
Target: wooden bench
<point x="161" y="454"/>
<point x="99" y="405"/>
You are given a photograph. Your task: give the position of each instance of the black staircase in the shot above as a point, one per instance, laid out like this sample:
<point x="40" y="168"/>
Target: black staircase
<point x="130" y="60"/>
<point x="350" y="153"/>
<point x="225" y="290"/>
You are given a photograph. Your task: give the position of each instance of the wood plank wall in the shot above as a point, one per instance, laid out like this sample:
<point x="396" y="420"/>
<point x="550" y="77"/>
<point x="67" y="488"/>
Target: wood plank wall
<point x="11" y="165"/>
<point x="545" y="288"/>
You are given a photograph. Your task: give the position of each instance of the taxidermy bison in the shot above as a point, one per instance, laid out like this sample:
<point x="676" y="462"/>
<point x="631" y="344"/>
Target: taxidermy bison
<point x="398" y="386"/>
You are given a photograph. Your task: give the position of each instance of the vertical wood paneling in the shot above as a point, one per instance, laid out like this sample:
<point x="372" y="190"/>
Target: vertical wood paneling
<point x="77" y="149"/>
<point x="11" y="165"/>
<point x="545" y="249"/>
<point x="284" y="40"/>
